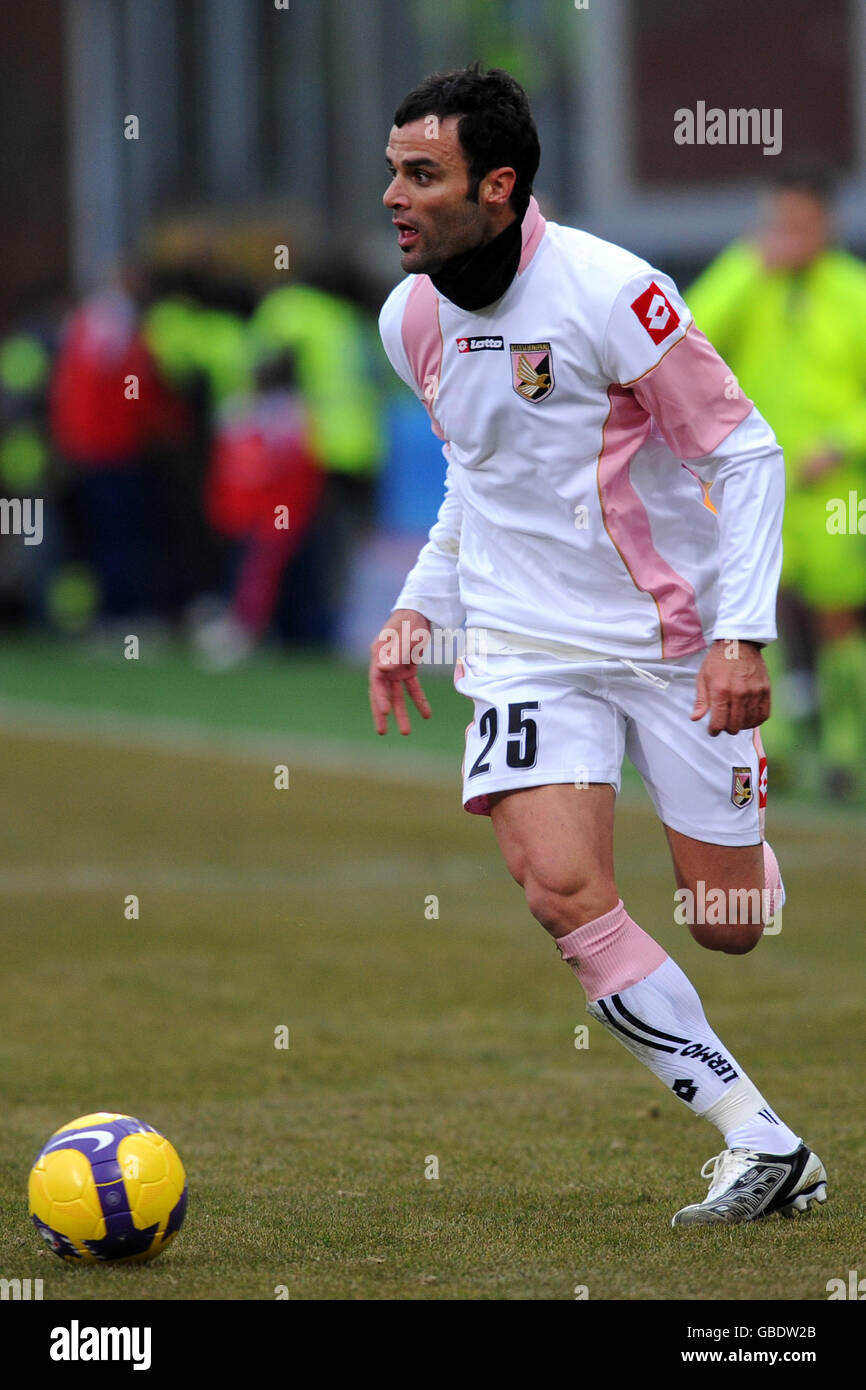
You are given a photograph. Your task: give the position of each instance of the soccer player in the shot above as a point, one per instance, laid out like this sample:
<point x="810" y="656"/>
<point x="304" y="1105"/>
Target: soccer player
<point x="610" y="536"/>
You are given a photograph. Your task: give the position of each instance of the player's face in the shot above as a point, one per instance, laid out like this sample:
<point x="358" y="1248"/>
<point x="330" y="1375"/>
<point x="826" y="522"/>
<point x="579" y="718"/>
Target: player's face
<point x="428" y="195"/>
<point x="796" y="229"/>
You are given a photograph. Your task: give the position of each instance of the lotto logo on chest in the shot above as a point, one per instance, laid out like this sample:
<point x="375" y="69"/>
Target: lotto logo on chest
<point x="491" y="344"/>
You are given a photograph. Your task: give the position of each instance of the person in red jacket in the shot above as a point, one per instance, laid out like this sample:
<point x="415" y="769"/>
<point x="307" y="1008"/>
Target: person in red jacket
<point x="107" y="403"/>
<point x="263" y="491"/>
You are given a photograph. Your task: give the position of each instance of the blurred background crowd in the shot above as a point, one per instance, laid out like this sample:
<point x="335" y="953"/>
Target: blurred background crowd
<point x="212" y="456"/>
<point x="197" y="252"/>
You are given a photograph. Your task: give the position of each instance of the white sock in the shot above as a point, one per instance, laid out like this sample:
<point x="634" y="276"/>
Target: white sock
<point x="661" y="1021"/>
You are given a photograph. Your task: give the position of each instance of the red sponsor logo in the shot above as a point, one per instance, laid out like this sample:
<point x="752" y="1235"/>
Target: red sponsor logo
<point x="656" y="313"/>
<point x="762" y="784"/>
<point x="462" y="344"/>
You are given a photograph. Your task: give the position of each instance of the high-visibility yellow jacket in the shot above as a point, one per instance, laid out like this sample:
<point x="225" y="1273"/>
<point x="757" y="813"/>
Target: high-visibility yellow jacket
<point x="187" y="339"/>
<point x="796" y="341"/>
<point x="334" y="351"/>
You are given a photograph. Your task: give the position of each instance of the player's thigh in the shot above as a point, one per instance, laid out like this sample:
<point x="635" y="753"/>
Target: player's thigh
<point x="543" y="758"/>
<point x="722" y="891"/>
<point x="557" y="842"/>
<point x="722" y="866"/>
<point x="537" y="722"/>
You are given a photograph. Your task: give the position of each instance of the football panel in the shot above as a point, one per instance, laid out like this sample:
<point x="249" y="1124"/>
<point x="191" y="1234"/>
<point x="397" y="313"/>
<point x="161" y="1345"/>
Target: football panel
<point x="154" y="1178"/>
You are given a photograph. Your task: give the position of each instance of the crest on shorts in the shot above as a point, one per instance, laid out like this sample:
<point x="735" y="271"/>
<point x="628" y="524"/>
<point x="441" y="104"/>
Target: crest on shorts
<point x="741" y="785"/>
<point x="532" y="370"/>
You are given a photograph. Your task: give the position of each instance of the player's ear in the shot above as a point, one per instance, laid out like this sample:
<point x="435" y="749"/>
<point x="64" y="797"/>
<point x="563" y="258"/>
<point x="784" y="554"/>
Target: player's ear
<point x="497" y="186"/>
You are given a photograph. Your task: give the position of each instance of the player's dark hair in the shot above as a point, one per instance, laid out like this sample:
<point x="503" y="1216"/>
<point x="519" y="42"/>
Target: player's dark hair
<point x="495" y="129"/>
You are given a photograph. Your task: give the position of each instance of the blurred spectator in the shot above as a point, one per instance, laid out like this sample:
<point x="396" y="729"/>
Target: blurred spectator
<point x="330" y="332"/>
<point x="182" y="415"/>
<point x="107" y="405"/>
<point x="787" y="310"/>
<point x="262" y="493"/>
<point x="197" y="329"/>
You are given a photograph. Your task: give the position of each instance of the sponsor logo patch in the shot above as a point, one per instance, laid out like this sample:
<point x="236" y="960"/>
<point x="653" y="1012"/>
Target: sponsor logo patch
<point x="480" y="344"/>
<point x="532" y="370"/>
<point x="741" y="785"/>
<point x="762" y="783"/>
<point x="656" y="313"/>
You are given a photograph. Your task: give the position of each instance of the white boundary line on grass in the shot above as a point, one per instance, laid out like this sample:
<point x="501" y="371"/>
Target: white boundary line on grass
<point x="345" y="871"/>
<point x="339" y="757"/>
<point x="112" y="729"/>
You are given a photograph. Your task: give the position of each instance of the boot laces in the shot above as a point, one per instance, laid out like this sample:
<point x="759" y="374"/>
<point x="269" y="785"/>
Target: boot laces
<point x="724" y="1168"/>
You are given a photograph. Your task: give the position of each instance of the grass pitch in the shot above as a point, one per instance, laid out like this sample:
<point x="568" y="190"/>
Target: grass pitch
<point x="412" y="1038"/>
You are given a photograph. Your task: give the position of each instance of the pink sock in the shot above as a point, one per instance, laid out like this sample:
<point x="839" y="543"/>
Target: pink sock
<point x="611" y="953"/>
<point x="774" y="889"/>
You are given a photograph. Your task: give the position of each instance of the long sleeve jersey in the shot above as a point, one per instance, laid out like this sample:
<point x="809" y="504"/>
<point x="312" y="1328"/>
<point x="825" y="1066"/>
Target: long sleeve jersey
<point x="608" y="484"/>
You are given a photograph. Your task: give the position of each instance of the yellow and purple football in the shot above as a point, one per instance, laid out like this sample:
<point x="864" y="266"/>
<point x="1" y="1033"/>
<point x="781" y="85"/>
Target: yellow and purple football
<point x="107" y="1187"/>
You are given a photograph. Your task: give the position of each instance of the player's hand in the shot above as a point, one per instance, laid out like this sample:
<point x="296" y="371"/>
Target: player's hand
<point x="733" y="684"/>
<point x="393" y="664"/>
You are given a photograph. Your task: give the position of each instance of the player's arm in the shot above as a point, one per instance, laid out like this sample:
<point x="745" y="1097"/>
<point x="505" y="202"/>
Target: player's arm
<point x="707" y="421"/>
<point x="747" y="476"/>
<point x="430" y="597"/>
<point x="431" y="594"/>
<point x="746" y="473"/>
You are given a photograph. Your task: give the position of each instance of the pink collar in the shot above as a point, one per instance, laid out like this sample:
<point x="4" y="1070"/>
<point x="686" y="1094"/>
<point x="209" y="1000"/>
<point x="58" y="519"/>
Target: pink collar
<point x="531" y="233"/>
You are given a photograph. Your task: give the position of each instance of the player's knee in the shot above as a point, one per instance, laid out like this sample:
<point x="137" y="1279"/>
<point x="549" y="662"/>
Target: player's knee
<point x="735" y="939"/>
<point x="561" y="906"/>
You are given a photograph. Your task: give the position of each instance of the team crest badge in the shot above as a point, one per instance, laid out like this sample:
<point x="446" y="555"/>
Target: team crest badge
<point x="741" y="785"/>
<point x="532" y="370"/>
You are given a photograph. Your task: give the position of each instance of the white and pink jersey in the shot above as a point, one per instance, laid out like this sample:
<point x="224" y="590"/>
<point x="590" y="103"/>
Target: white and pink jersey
<point x="609" y="487"/>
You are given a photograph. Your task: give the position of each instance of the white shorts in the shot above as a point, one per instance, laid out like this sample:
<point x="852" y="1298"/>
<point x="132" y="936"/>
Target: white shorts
<point x="540" y="720"/>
